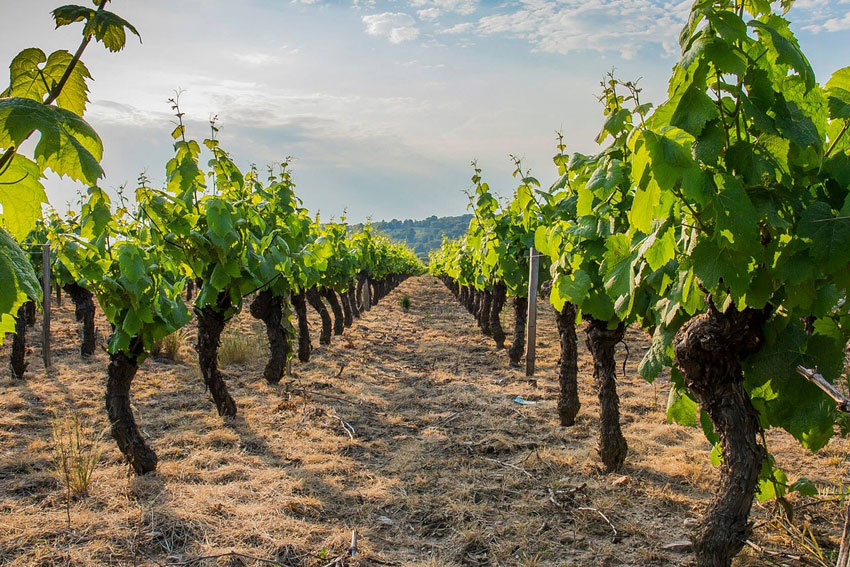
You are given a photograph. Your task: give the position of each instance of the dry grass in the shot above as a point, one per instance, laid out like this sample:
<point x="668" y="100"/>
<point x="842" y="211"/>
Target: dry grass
<point x="170" y="346"/>
<point x="239" y="348"/>
<point x="443" y="468"/>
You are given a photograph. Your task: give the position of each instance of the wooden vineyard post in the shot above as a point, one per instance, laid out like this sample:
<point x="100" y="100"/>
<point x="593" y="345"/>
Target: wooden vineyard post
<point x="842" y="404"/>
<point x="531" y="331"/>
<point x="47" y="289"/>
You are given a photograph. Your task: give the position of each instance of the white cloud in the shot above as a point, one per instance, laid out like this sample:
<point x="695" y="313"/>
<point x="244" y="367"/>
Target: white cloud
<point x="605" y="25"/>
<point x="462" y="7"/>
<point x="395" y="26"/>
<point x="837" y="24"/>
<point x="429" y="13"/>
<point x="458" y="28"/>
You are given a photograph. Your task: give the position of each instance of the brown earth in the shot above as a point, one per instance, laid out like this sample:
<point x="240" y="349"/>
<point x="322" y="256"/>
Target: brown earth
<point x="403" y="430"/>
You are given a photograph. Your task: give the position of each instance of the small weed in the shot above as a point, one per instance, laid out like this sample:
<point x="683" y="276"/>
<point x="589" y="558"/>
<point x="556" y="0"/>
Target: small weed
<point x="404" y="302"/>
<point x="76" y="453"/>
<point x="239" y="349"/>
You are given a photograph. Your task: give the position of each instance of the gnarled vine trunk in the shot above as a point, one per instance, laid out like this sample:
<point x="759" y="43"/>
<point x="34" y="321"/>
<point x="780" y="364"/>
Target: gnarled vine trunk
<point x="210" y="326"/>
<point x="17" y="360"/>
<point x="377" y="290"/>
<point x="352" y="299"/>
<point x="498" y="302"/>
<point x="339" y="322"/>
<point x="601" y="342"/>
<point x="484" y="313"/>
<point x="30" y="312"/>
<point x="268" y="308"/>
<point x="299" y="304"/>
<point x="568" y="402"/>
<point x="84" y="312"/>
<point x="120" y="373"/>
<point x="316" y="303"/>
<point x="709" y="350"/>
<point x="347" y="313"/>
<point x="518" y="344"/>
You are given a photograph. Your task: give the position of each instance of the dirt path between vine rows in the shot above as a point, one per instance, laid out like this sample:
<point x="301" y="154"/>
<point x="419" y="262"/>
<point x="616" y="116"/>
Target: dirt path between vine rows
<point x="405" y="430"/>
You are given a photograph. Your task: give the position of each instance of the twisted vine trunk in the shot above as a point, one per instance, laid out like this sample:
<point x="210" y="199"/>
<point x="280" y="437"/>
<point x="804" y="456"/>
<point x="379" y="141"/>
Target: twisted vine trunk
<point x="30" y="312"/>
<point x="339" y="322"/>
<point x="476" y="305"/>
<point x="377" y="290"/>
<point x="498" y="303"/>
<point x="347" y="314"/>
<point x="601" y="342"/>
<point x="210" y="326"/>
<point x="518" y="344"/>
<point x="709" y="350"/>
<point x="299" y="304"/>
<point x="268" y="308"/>
<point x="484" y="313"/>
<point x="365" y="299"/>
<point x="568" y="402"/>
<point x="17" y="360"/>
<point x="84" y="313"/>
<point x="190" y="289"/>
<point x="120" y="373"/>
<point x="352" y="299"/>
<point x="316" y="303"/>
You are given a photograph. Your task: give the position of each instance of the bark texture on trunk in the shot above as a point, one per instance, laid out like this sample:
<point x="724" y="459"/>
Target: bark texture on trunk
<point x="17" y="360"/>
<point x="210" y="326"/>
<point x="498" y="303"/>
<point x="484" y="313"/>
<point x="352" y="299"/>
<point x="120" y="373"/>
<point x="709" y="350"/>
<point x="601" y="342"/>
<point x="30" y="311"/>
<point x="339" y="321"/>
<point x="518" y="344"/>
<point x="568" y="402"/>
<point x="268" y="308"/>
<point x="84" y="312"/>
<point x="299" y="304"/>
<point x="315" y="301"/>
<point x="347" y="313"/>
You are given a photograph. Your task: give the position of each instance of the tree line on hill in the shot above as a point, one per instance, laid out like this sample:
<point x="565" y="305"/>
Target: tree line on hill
<point x="422" y="235"/>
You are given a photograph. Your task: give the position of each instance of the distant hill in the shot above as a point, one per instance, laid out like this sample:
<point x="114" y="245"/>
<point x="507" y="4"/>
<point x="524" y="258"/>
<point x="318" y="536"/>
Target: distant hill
<point x="423" y="235"/>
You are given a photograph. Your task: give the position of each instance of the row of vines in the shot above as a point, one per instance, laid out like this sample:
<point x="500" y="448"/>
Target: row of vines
<point x="719" y="222"/>
<point x="217" y="233"/>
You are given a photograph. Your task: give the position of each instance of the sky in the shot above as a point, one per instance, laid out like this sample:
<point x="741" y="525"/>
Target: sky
<point x="382" y="104"/>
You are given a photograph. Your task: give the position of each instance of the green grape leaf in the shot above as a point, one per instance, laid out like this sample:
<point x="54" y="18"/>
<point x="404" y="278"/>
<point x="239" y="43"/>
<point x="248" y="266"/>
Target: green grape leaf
<point x="694" y="110"/>
<point x="21" y="196"/>
<point x="31" y="80"/>
<point x="132" y="264"/>
<point x="775" y="31"/>
<point x="19" y="282"/>
<point x="68" y="145"/>
<point x="104" y="26"/>
<point x="573" y="288"/>
<point x="829" y="235"/>
<point x="838" y="93"/>
<point x="681" y="407"/>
